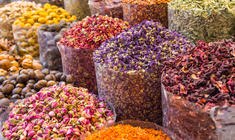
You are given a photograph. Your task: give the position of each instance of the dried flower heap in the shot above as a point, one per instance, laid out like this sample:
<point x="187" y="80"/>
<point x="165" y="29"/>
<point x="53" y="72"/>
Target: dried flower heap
<point x="128" y="69"/>
<point x="58" y="112"/>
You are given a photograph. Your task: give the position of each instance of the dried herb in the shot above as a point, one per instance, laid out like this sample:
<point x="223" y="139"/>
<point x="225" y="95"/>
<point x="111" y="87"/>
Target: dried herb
<point x="78" y="44"/>
<point x="199" y="92"/>
<point x="135" y="11"/>
<point x="202" y="19"/>
<point x="128" y="69"/>
<point x="57" y="112"/>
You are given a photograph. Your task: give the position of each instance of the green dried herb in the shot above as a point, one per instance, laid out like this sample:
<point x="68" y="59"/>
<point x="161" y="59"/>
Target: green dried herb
<point x="208" y="20"/>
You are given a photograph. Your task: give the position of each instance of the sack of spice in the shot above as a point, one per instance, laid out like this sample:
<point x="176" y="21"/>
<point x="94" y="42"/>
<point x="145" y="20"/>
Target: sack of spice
<point x="10" y="12"/>
<point x="132" y="130"/>
<point x="48" y="36"/>
<point x="79" y="8"/>
<point x="79" y="42"/>
<point x="135" y="11"/>
<point x="202" y="19"/>
<point x="128" y="69"/>
<point x="67" y="111"/>
<point x="198" y="91"/>
<point x="25" y="27"/>
<point x="112" y="8"/>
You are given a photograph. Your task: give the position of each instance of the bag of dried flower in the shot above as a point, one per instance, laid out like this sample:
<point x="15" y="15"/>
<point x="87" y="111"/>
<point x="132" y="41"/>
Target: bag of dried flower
<point x="57" y="112"/>
<point x="112" y="8"/>
<point x="208" y="20"/>
<point x="128" y="69"/>
<point x="10" y="12"/>
<point x="135" y="11"/>
<point x="198" y="91"/>
<point x="79" y="42"/>
<point x="25" y="28"/>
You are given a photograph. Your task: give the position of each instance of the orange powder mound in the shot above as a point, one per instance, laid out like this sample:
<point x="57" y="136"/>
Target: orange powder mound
<point x="128" y="132"/>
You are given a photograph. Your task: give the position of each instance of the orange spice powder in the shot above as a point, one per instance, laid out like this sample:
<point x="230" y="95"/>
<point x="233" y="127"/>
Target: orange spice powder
<point x="127" y="132"/>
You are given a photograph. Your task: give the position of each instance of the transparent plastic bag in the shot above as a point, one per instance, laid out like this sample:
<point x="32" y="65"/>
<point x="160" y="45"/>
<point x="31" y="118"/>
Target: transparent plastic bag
<point x="79" y="8"/>
<point x="134" y="13"/>
<point x="26" y="40"/>
<point x="112" y="8"/>
<point x="78" y="62"/>
<point x="196" y="26"/>
<point x="59" y="3"/>
<point x="192" y="122"/>
<point x="134" y="95"/>
<point x="49" y="53"/>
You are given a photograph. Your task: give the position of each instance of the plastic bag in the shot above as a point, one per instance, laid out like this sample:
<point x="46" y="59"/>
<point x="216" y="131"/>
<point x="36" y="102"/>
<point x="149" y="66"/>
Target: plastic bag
<point x="134" y="13"/>
<point x="191" y="122"/>
<point x="197" y="25"/>
<point x="48" y="36"/>
<point x="134" y="95"/>
<point x="78" y="62"/>
<point x="112" y="8"/>
<point x="26" y="40"/>
<point x="79" y="8"/>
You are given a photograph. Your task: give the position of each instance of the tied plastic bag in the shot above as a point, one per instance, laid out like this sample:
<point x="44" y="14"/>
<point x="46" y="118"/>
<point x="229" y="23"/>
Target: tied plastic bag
<point x="112" y="8"/>
<point x="78" y="62"/>
<point x="135" y="13"/>
<point x="134" y="95"/>
<point x="192" y="122"/>
<point x="26" y="39"/>
<point x="79" y="8"/>
<point x="48" y="36"/>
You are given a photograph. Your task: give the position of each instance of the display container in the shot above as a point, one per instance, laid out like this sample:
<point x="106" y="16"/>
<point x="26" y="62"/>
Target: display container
<point x="209" y="21"/>
<point x="48" y="36"/>
<point x="134" y="94"/>
<point x="192" y="122"/>
<point x="79" y="8"/>
<point x="112" y="8"/>
<point x="26" y="40"/>
<point x="79" y="63"/>
<point x="136" y="13"/>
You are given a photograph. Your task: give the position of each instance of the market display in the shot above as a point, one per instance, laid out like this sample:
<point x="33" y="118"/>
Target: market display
<point x="198" y="92"/>
<point x="128" y="69"/>
<point x="112" y="8"/>
<point x="135" y="11"/>
<point x="10" y="12"/>
<point x="208" y="20"/>
<point x="79" y="42"/>
<point x="79" y="8"/>
<point x="112" y="69"/>
<point x="48" y="36"/>
<point x="25" y="28"/>
<point x="61" y="112"/>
